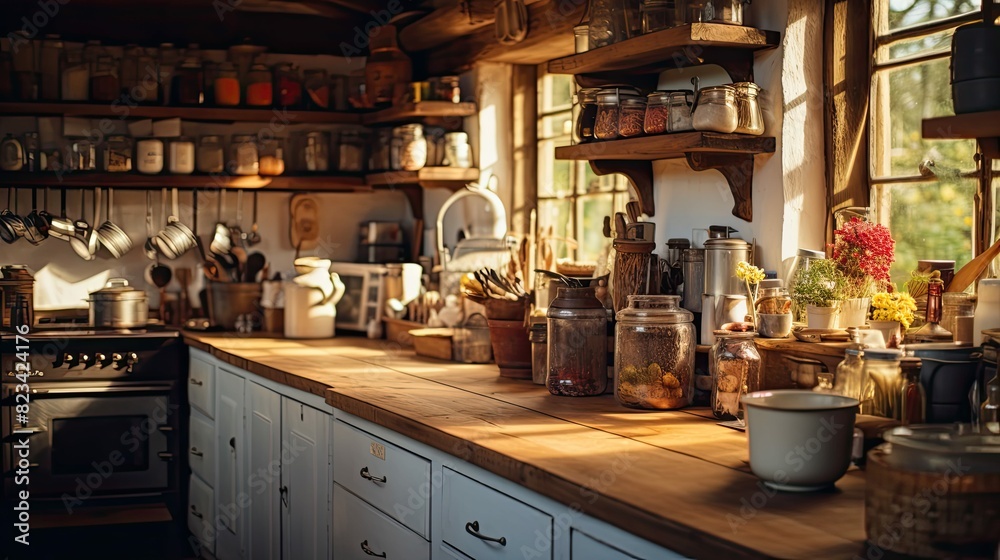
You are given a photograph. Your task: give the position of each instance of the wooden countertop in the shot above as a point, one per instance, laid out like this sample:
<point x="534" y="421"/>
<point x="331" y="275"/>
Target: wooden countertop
<point x="675" y="478"/>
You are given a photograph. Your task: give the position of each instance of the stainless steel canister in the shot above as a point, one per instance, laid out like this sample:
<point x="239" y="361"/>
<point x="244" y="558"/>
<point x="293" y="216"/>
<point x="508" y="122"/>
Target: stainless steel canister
<point x="693" y="270"/>
<point x="721" y="257"/>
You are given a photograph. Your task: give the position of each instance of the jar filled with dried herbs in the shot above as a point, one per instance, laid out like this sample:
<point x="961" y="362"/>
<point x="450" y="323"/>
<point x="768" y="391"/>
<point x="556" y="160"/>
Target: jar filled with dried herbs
<point x="631" y="114"/>
<point x="577" y="344"/>
<point x="608" y="110"/>
<point x="657" y="119"/>
<point x="736" y="371"/>
<point x="654" y="353"/>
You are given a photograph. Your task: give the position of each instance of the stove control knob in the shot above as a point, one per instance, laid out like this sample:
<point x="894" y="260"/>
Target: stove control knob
<point x="69" y="360"/>
<point x="86" y="360"/>
<point x="125" y="361"/>
<point x="101" y="360"/>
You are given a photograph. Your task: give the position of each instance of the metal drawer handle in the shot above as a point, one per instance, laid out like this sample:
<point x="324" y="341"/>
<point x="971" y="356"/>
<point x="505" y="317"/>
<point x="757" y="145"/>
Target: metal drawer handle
<point x="368" y="476"/>
<point x="196" y="382"/>
<point x="367" y="550"/>
<point x="196" y="453"/>
<point x="194" y="512"/>
<point x="473" y="529"/>
<point x="165" y="456"/>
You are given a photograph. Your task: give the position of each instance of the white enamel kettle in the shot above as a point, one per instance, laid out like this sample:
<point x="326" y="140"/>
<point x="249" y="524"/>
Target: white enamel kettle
<point x="311" y="299"/>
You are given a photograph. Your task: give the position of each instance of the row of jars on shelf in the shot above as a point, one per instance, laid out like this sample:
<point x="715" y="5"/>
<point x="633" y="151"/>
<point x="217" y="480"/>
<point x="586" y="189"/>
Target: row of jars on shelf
<point x="401" y="148"/>
<point x="623" y="112"/>
<point x="612" y="21"/>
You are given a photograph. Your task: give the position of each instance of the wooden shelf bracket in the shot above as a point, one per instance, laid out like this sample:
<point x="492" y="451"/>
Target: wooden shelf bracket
<point x="738" y="171"/>
<point x="640" y="175"/>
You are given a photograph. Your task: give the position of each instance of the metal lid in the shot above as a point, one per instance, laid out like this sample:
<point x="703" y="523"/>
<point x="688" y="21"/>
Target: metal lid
<point x="117" y="289"/>
<point x="934" y="439"/>
<point x="725" y="243"/>
<point x="575" y="298"/>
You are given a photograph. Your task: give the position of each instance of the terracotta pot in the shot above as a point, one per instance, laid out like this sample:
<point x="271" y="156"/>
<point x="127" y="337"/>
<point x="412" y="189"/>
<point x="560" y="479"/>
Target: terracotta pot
<point x="511" y="348"/>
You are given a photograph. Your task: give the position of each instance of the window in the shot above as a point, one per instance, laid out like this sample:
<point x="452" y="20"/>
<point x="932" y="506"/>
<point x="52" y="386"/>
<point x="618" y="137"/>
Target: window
<point x="572" y="199"/>
<point x="928" y="208"/>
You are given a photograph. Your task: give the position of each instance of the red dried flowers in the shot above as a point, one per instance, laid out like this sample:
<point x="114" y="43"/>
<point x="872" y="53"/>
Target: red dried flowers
<point x="864" y="252"/>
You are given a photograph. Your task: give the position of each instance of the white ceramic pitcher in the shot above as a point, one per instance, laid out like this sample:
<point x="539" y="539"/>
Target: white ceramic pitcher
<point x="311" y="301"/>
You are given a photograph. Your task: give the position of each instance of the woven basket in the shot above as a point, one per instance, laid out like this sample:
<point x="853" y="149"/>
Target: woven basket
<point x="931" y="515"/>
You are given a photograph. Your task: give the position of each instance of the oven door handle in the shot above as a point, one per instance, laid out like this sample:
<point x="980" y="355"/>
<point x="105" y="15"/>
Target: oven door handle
<point x="84" y="390"/>
<point x="29" y="430"/>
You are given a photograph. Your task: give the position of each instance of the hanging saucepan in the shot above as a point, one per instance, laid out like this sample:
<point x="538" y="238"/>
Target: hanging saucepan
<point x="117" y="305"/>
<point x="62" y="227"/>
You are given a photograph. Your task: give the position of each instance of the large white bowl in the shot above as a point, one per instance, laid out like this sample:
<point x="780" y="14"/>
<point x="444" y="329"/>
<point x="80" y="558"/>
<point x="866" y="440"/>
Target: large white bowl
<point x="800" y="441"/>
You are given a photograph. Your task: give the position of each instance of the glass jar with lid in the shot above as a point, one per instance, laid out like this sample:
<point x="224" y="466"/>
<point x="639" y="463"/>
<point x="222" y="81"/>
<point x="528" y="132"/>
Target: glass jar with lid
<point x="259" y="91"/>
<point x="75" y="83"/>
<point x="749" y="116"/>
<point x="412" y="146"/>
<point x="654" y="353"/>
<point x="736" y="370"/>
<point x="149" y="155"/>
<point x="849" y="378"/>
<point x="272" y="157"/>
<point x="287" y="85"/>
<point x="317" y="151"/>
<point x="117" y="154"/>
<point x="602" y="23"/>
<point x="715" y="11"/>
<point x="953" y="306"/>
<point x="226" y="86"/>
<point x="681" y="103"/>
<point x="658" y="15"/>
<point x="190" y="82"/>
<point x="608" y="110"/>
<point x="631" y="116"/>
<point x="83" y="155"/>
<point x="210" y="155"/>
<point x="245" y="159"/>
<point x="181" y="155"/>
<point x="104" y="85"/>
<point x="577" y="344"/>
<point x="715" y="110"/>
<point x="351" y="152"/>
<point x="449" y="89"/>
<point x="50" y="66"/>
<point x="883" y="383"/>
<point x="587" y="98"/>
<point x="657" y="118"/>
<point x="317" y="86"/>
<point x="457" y="152"/>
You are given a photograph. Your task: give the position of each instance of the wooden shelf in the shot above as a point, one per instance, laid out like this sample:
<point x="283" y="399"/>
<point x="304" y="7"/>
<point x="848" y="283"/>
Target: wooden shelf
<point x="424" y="110"/>
<point x="730" y="154"/>
<point x="730" y="46"/>
<point x="316" y="183"/>
<point x="429" y="177"/>
<point x="969" y="125"/>
<point x="220" y="114"/>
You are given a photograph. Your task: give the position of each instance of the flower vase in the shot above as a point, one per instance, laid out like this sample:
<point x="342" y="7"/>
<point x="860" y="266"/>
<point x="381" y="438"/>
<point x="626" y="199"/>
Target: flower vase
<point x="853" y="312"/>
<point x="822" y="317"/>
<point x="890" y="330"/>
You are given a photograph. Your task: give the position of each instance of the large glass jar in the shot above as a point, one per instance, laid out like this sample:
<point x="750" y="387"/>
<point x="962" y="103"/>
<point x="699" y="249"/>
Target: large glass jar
<point x="190" y="82"/>
<point x="749" y="117"/>
<point x="412" y="146"/>
<point x="736" y="371"/>
<point x="681" y="103"/>
<point x="226" y="86"/>
<point x="654" y="353"/>
<point x="657" y="119"/>
<point x="602" y="23"/>
<point x="631" y="115"/>
<point x="883" y="383"/>
<point x="50" y="65"/>
<point x="104" y="85"/>
<point x="715" y="11"/>
<point x="577" y="344"/>
<point x="245" y="159"/>
<point x="588" y="114"/>
<point x="715" y="110"/>
<point x="849" y="379"/>
<point x="210" y="156"/>
<point x="658" y="15"/>
<point x="287" y="85"/>
<point x="259" y="92"/>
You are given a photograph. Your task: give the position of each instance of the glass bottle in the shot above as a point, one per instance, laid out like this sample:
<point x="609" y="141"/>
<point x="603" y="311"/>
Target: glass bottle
<point x="989" y="413"/>
<point x="226" y="87"/>
<point x="883" y="383"/>
<point x="259" y="92"/>
<point x="50" y="67"/>
<point x="25" y="71"/>
<point x="386" y="67"/>
<point x="588" y="114"/>
<point x="912" y="398"/>
<point x="245" y="159"/>
<point x="657" y="118"/>
<point x="169" y="58"/>
<point x="631" y="115"/>
<point x="287" y="85"/>
<point x="577" y="344"/>
<point x="317" y="87"/>
<point x="715" y="110"/>
<point x="750" y="120"/>
<point x="849" y="379"/>
<point x="654" y="353"/>
<point x="210" y="155"/>
<point x="736" y="371"/>
<point x="189" y="82"/>
<point x="602" y="29"/>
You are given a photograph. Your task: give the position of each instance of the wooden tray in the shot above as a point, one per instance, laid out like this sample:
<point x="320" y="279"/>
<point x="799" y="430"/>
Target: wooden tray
<point x="398" y="331"/>
<point x="433" y="343"/>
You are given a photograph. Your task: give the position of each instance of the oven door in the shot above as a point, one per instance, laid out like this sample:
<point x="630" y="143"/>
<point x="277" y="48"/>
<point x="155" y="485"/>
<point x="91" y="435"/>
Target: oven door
<point x="95" y="438"/>
<point x="363" y="295"/>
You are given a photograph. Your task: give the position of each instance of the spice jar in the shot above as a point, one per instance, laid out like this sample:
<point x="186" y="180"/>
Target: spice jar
<point x="457" y="152"/>
<point x="259" y="92"/>
<point x="351" y="152"/>
<point x="210" y="155"/>
<point x="317" y="87"/>
<point x="245" y="159"/>
<point x="538" y="334"/>
<point x="654" y="353"/>
<point x="736" y="371"/>
<point x="632" y="113"/>
<point x="272" y="157"/>
<point x="50" y="65"/>
<point x="149" y="155"/>
<point x="577" y="344"/>
<point x="181" y="156"/>
<point x="587" y="116"/>
<point x="606" y="122"/>
<point x="658" y="15"/>
<point x="104" y="85"/>
<point x="287" y="85"/>
<point x="75" y="83"/>
<point x="680" y="107"/>
<point x="657" y="119"/>
<point x="118" y="154"/>
<point x="449" y="90"/>
<point x="750" y="120"/>
<point x="715" y="110"/>
<point x="317" y="151"/>
<point x="715" y="11"/>
<point x="190" y="82"/>
<point x="883" y="383"/>
<point x="226" y="86"/>
<point x="412" y="146"/>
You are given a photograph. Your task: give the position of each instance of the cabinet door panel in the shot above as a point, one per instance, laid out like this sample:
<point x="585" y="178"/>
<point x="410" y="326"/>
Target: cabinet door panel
<point x="263" y="473"/>
<point x="201" y="447"/>
<point x="357" y="524"/>
<point x="201" y="386"/>
<point x="305" y="476"/>
<point x="229" y="447"/>
<point x="586" y="547"/>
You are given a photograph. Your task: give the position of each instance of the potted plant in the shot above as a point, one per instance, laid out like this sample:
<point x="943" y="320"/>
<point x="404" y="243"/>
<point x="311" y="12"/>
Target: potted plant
<point x="863" y="251"/>
<point x="892" y="311"/>
<point x="819" y="289"/>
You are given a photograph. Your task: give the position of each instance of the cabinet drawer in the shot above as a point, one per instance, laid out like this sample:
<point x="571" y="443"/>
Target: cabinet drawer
<point x="357" y="524"/>
<point x="201" y="447"/>
<point x="469" y="508"/>
<point x="201" y="387"/>
<point x="201" y="511"/>
<point x="585" y="547"/>
<point x="388" y="477"/>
